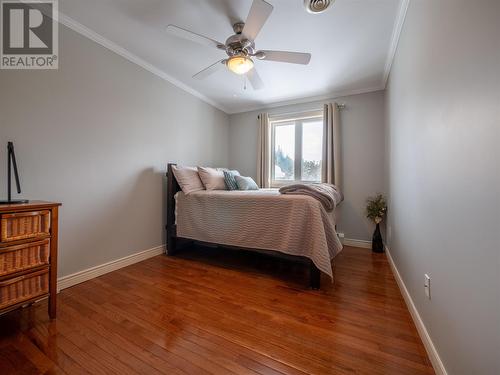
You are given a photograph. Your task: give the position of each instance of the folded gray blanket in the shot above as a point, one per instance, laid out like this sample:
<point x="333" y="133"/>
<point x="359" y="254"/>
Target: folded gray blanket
<point x="329" y="195"/>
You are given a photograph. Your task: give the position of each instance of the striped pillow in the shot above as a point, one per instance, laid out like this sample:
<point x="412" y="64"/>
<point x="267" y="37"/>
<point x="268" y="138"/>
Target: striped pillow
<point x="230" y="180"/>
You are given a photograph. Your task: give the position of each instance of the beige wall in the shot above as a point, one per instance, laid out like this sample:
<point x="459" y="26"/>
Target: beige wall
<point x="362" y="139"/>
<point x="443" y="132"/>
<point x="96" y="135"/>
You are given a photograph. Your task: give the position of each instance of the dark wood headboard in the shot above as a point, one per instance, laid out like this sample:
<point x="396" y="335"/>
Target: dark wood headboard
<point x="172" y="188"/>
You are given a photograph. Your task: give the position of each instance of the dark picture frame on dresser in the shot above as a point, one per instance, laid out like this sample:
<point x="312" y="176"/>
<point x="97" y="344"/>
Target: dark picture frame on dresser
<point x="28" y="254"/>
<point x="172" y="238"/>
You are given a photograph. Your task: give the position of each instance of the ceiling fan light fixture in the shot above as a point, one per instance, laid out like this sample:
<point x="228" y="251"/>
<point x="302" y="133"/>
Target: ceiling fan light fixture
<point x="239" y="64"/>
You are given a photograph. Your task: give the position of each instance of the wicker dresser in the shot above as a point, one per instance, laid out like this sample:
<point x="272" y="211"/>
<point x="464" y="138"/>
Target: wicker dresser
<point x="28" y="254"/>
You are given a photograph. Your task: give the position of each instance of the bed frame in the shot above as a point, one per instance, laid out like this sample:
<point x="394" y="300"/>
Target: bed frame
<point x="173" y="240"/>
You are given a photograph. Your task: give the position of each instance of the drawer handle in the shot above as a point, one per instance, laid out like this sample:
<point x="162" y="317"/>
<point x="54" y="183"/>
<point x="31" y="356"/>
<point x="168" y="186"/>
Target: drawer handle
<point x="30" y="213"/>
<point x="25" y="245"/>
<point x="22" y="277"/>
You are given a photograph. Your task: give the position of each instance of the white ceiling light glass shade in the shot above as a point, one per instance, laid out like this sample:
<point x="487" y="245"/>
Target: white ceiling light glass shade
<point x="239" y="64"/>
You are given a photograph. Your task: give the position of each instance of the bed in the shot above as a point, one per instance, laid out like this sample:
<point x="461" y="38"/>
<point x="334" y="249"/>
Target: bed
<point x="294" y="227"/>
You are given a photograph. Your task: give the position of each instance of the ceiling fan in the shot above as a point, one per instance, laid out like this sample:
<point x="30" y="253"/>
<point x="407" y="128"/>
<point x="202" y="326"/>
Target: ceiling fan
<point x="240" y="47"/>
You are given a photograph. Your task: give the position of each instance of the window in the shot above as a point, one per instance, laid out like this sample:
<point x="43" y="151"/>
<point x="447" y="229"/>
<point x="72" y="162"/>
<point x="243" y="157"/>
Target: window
<point x="297" y="144"/>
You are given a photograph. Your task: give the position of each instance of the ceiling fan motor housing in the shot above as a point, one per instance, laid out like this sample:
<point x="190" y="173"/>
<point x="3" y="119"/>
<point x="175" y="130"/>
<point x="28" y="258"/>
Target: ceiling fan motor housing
<point x="317" y="6"/>
<point x="237" y="44"/>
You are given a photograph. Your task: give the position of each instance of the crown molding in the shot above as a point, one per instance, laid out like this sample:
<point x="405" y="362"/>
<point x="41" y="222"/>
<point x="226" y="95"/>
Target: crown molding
<point x="99" y="39"/>
<point x="396" y="34"/>
<point x="309" y="99"/>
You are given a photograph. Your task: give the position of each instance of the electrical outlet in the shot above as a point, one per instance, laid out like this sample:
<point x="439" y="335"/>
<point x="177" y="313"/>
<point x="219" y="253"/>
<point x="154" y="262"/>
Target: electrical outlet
<point x="340" y="235"/>
<point x="427" y="286"/>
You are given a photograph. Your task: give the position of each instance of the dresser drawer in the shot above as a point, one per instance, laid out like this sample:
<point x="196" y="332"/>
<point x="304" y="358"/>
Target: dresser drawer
<point x="23" y="288"/>
<point x="23" y="257"/>
<point x="24" y="225"/>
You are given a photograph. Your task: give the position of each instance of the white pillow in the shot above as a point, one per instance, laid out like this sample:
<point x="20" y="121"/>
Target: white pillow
<point x="188" y="179"/>
<point x="212" y="178"/>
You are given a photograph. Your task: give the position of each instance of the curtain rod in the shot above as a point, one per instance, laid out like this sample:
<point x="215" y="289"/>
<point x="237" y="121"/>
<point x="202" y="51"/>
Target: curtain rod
<point x="339" y="106"/>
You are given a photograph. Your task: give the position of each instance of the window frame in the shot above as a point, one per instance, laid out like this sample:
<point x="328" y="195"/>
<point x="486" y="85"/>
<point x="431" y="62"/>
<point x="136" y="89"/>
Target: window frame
<point x="297" y="120"/>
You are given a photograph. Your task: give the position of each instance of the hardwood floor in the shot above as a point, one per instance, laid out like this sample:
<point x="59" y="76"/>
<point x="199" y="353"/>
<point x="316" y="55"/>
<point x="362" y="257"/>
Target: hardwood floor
<point x="214" y="311"/>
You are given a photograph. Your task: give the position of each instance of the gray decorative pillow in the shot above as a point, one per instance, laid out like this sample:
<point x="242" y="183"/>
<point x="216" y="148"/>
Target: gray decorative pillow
<point x="246" y="183"/>
<point x="229" y="179"/>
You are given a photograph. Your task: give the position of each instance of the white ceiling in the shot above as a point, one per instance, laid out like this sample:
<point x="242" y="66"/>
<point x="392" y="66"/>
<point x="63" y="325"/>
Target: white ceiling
<point x="351" y="44"/>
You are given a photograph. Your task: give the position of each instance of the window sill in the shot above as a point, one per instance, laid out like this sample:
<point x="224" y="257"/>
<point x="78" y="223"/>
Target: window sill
<point x="278" y="184"/>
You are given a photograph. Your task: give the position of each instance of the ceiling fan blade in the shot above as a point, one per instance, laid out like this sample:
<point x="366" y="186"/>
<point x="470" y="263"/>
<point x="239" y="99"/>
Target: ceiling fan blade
<point x="189" y="35"/>
<point x="255" y="80"/>
<point x="257" y="17"/>
<point x="210" y="70"/>
<point x="285" y="56"/>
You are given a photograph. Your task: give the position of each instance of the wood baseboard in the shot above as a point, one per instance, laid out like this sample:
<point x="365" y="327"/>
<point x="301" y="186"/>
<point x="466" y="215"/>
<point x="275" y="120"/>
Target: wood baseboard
<point x="422" y="330"/>
<point x="90" y="273"/>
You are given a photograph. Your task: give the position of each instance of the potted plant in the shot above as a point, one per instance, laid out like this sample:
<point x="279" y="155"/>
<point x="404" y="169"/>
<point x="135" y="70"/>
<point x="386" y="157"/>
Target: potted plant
<point x="376" y="208"/>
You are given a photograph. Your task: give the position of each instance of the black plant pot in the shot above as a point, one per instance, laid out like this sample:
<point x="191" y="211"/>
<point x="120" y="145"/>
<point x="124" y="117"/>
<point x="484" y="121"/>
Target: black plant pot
<point x="377" y="242"/>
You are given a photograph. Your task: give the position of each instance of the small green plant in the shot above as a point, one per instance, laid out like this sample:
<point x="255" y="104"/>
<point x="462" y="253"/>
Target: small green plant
<point x="376" y="207"/>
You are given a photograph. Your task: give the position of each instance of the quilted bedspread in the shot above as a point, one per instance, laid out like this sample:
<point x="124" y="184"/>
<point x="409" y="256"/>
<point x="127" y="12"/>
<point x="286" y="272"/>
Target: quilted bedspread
<point x="260" y="219"/>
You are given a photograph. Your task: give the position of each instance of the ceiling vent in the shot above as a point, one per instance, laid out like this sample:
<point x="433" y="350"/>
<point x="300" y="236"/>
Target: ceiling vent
<point x="317" y="6"/>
